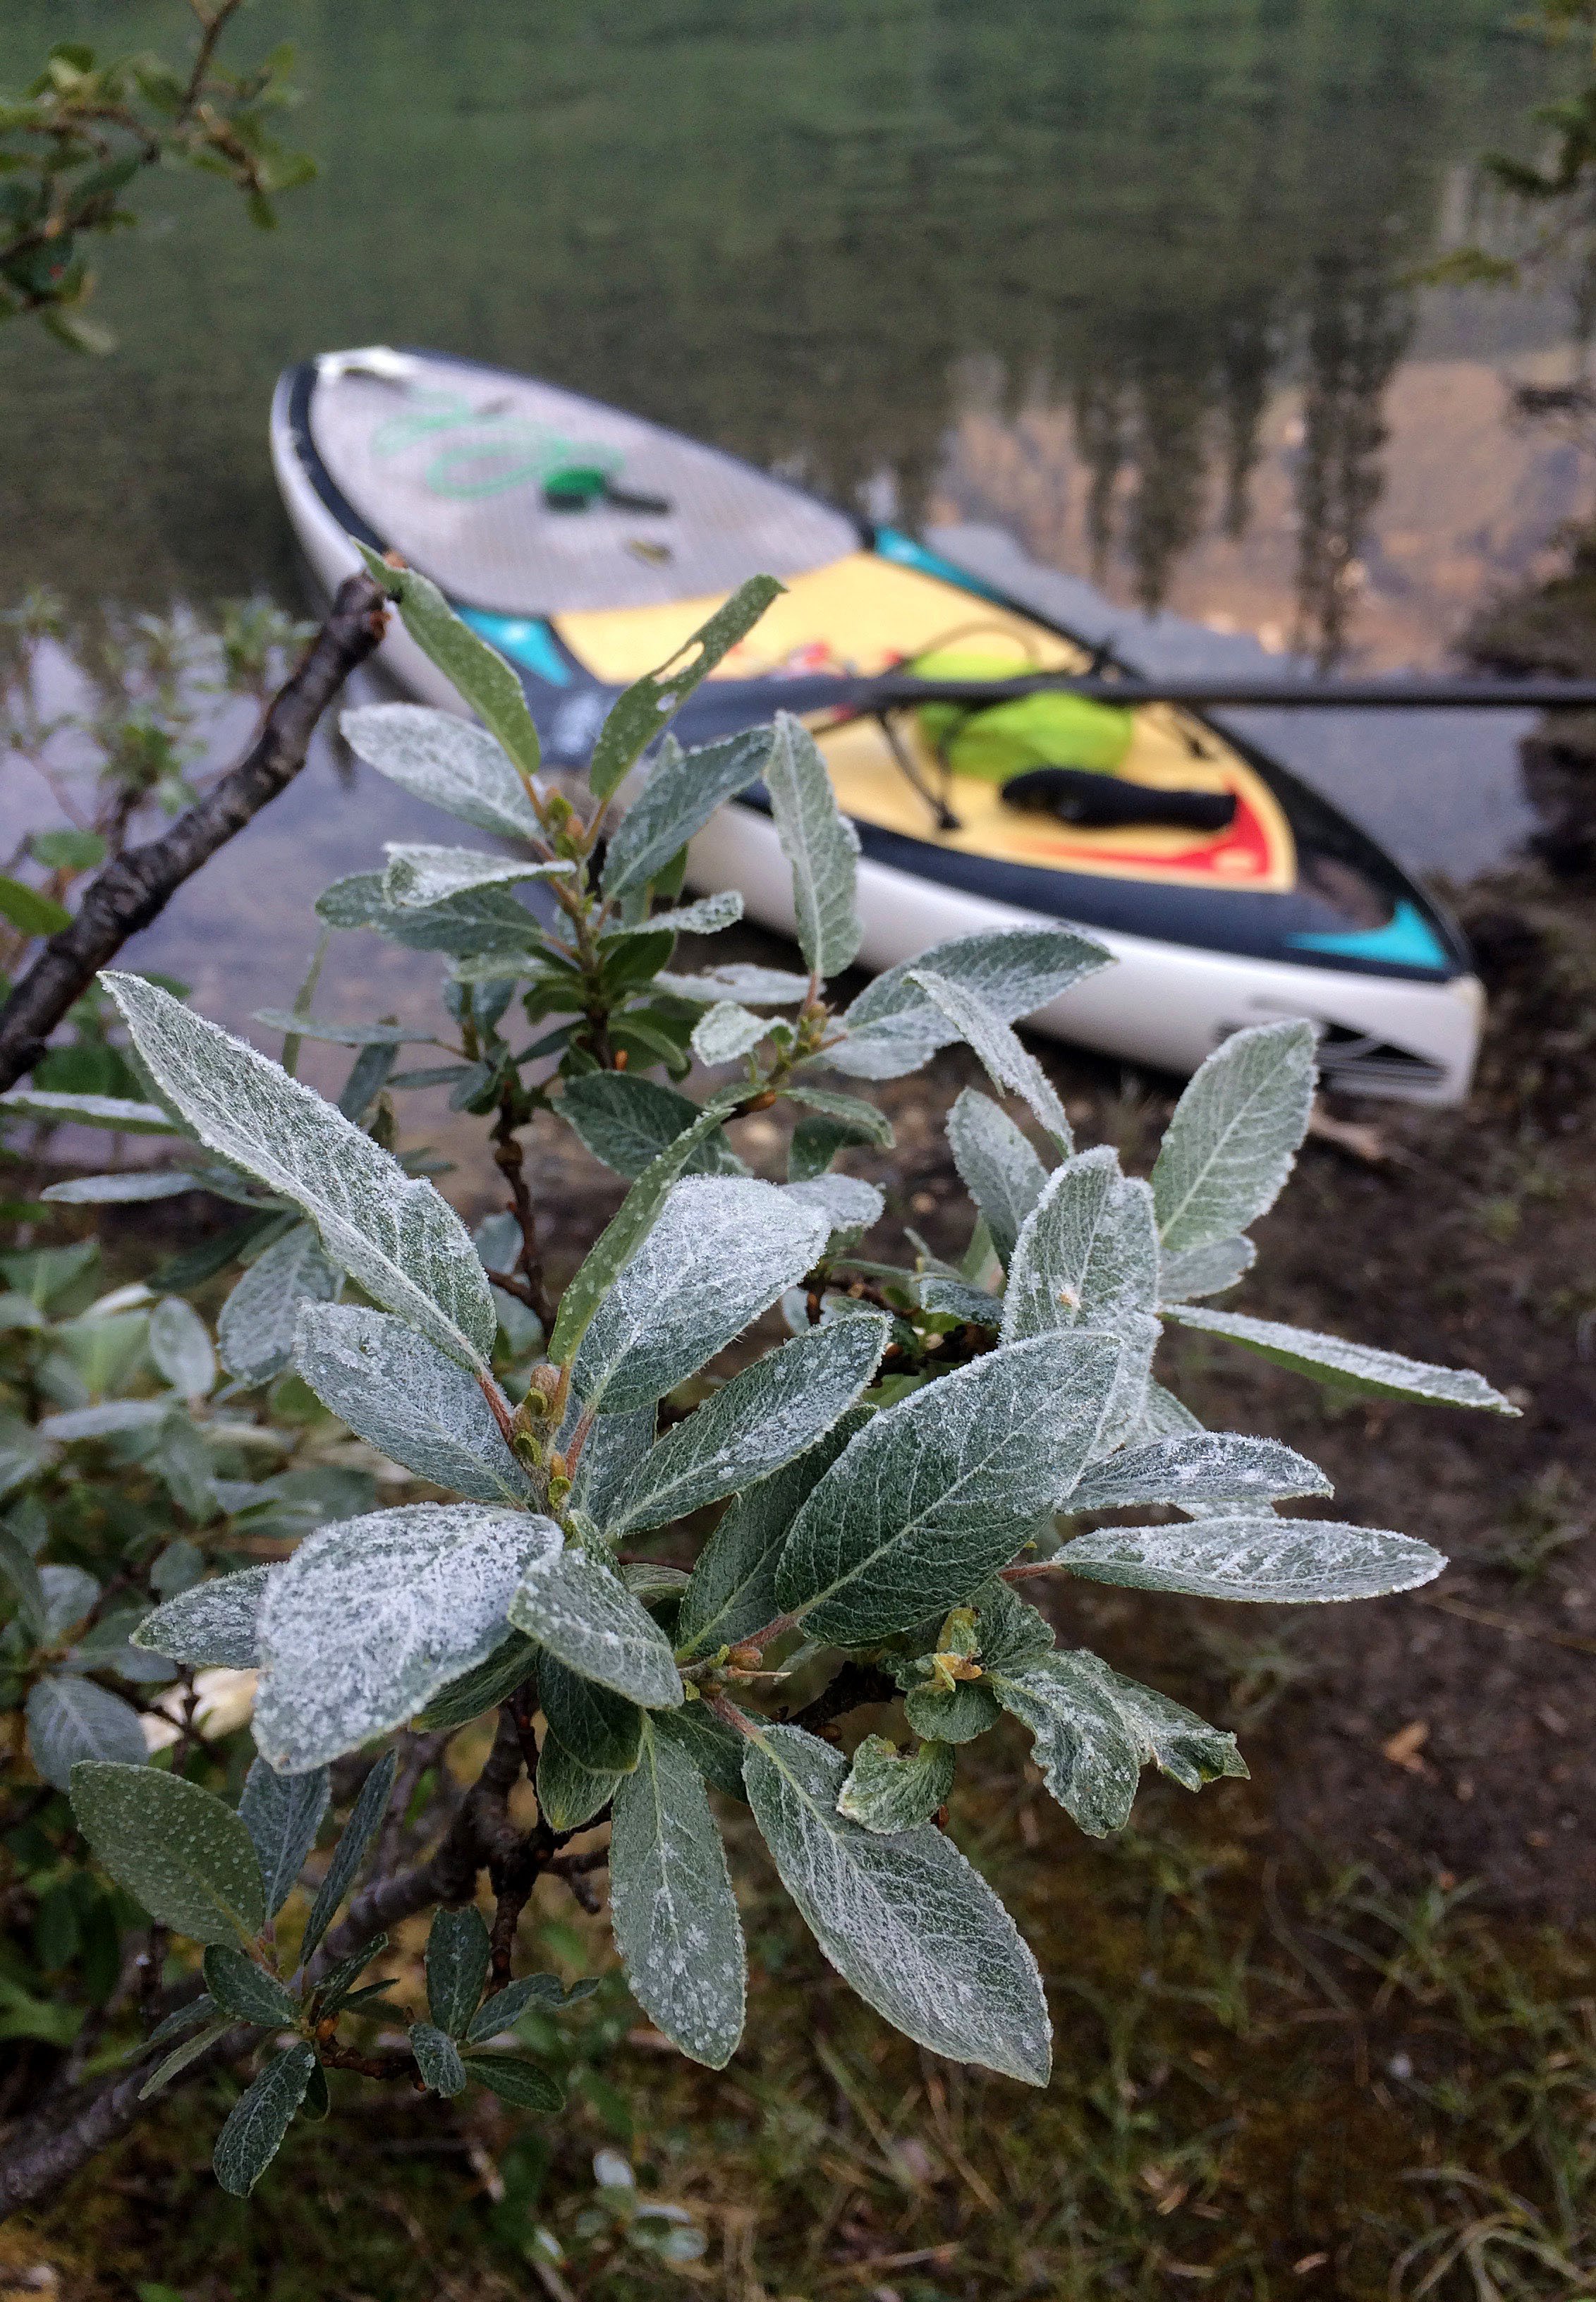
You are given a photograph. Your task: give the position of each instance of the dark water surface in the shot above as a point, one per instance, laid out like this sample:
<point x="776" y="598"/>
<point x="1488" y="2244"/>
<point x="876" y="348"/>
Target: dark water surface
<point x="1125" y="281"/>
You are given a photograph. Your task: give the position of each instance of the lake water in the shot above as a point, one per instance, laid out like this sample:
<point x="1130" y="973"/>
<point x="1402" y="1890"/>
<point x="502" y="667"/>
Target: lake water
<point x="1123" y="286"/>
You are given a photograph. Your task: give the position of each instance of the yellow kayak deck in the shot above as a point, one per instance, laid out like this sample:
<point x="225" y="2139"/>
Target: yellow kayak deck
<point x="864" y="615"/>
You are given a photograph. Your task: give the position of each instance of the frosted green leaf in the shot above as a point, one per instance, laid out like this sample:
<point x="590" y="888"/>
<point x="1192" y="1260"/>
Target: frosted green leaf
<point x="1173" y="1739"/>
<point x="70" y="1719"/>
<point x="937" y="1491"/>
<point x="641" y="715"/>
<point x="104" y="1647"/>
<point x="283" y="1814"/>
<point x="108" y="1420"/>
<point x="1234" y="1137"/>
<point x="546" y="1992"/>
<point x="211" y="1627"/>
<point x="1093" y="1731"/>
<point x="255" y="1330"/>
<point x="723" y="1250"/>
<point x="187" y="1858"/>
<point x="819" y="843"/>
<point x="115" y="1111"/>
<point x="850" y="1205"/>
<point x="628" y="1121"/>
<point x="1011" y="1066"/>
<point x="69" y="1593"/>
<point x="815" y="1143"/>
<point x="479" y="673"/>
<point x="16" y="1564"/>
<point x="509" y="1666"/>
<point x="1163" y="1417"/>
<point x="708" y="916"/>
<point x="128" y="1188"/>
<point x="340" y="1035"/>
<point x="774" y="1410"/>
<point x="1208" y="1466"/>
<point x="952" y="1298"/>
<point x="618" y="1242"/>
<point x="578" y="1608"/>
<point x="179" y="1344"/>
<point x="1087" y="1256"/>
<point x="748" y="985"/>
<point x="365" y="1820"/>
<point x="404" y="1398"/>
<point x="672" y="1906"/>
<point x="417" y="877"/>
<point x="894" y="1026"/>
<point x="213" y="2026"/>
<point x="445" y="760"/>
<point x="1087" y="1755"/>
<point x="616" y="1445"/>
<point x="24" y="1450"/>
<point x="683" y="792"/>
<point x="397" y="1238"/>
<point x="1275" y="1562"/>
<point x="372" y="1615"/>
<point x="1205" y="1270"/>
<point x="732" y="1589"/>
<point x="243" y="1989"/>
<point x="1086" y="1253"/>
<point x="714" y="1748"/>
<point x="525" y="2085"/>
<point x="260" y="2117"/>
<point x="569" y="1793"/>
<point x="888" y="1789"/>
<point x="1350" y="1366"/>
<point x="603" y="1730"/>
<point x="996" y="1166"/>
<point x="458" y="1954"/>
<point x="873" y="1123"/>
<point x="999" y="1631"/>
<point x="726" y="1033"/>
<point x="905" y="1921"/>
<point x="483" y="922"/>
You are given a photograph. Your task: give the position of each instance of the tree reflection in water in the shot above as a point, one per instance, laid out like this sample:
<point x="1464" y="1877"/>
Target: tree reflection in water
<point x="809" y="234"/>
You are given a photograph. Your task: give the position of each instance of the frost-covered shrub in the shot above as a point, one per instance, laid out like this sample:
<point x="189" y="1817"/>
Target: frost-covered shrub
<point x="888" y="1484"/>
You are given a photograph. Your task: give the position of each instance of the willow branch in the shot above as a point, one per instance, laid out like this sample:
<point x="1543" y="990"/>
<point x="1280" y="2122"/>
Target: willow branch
<point x="136" y="887"/>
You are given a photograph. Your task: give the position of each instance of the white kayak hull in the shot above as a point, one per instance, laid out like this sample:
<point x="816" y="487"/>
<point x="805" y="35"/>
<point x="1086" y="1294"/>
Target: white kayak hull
<point x="1164" y="1005"/>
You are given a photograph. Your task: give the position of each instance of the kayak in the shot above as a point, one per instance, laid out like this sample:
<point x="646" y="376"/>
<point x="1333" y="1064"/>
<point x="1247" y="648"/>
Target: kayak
<point x="586" y="544"/>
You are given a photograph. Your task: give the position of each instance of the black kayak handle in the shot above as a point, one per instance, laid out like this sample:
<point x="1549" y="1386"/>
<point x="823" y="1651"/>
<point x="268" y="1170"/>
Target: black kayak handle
<point x="1096" y="803"/>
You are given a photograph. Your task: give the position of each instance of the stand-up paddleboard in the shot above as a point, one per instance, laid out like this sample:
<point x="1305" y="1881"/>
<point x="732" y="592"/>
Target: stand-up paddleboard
<point x="586" y="543"/>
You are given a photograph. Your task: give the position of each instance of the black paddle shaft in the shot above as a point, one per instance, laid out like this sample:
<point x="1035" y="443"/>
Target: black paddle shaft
<point x="895" y="692"/>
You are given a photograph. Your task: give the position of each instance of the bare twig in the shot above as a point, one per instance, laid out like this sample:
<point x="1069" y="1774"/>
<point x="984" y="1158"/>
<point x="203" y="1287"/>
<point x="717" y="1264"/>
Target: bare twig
<point x="136" y="886"/>
<point x="524" y="1279"/>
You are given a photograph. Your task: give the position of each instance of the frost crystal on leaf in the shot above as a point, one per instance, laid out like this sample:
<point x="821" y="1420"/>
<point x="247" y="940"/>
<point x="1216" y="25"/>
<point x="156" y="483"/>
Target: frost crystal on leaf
<point x="372" y="1615"/>
<point x="398" y="1237"/>
<point x="257" y="1327"/>
<point x="940" y="1489"/>
<point x="905" y="1920"/>
<point x="419" y="1409"/>
<point x="438" y="756"/>
<point x="675" y="1915"/>
<point x="1234" y="1136"/>
<point x="722" y="1251"/>
<point x="1274" y="1562"/>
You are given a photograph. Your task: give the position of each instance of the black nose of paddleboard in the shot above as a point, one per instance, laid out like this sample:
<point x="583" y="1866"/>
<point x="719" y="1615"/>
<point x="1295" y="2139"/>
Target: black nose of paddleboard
<point x="1106" y="802"/>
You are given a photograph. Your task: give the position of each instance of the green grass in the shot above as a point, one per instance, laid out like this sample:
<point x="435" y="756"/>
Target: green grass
<point x="1266" y="2087"/>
